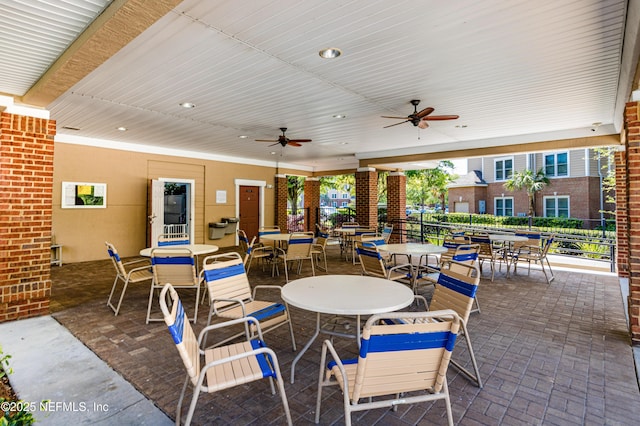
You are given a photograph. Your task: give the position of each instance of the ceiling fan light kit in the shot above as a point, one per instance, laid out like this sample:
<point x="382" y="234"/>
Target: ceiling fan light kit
<point x="419" y="118"/>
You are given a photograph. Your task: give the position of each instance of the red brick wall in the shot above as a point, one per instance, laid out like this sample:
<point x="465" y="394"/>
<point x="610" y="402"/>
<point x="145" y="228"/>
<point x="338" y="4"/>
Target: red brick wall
<point x="26" y="188"/>
<point x="471" y="195"/>
<point x="622" y="218"/>
<point x="632" y="130"/>
<point x="367" y="197"/>
<point x="311" y="202"/>
<point x="396" y="205"/>
<point x="281" y="203"/>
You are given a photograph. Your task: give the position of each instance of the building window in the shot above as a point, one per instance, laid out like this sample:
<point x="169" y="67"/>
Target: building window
<point x="503" y="168"/>
<point x="334" y="204"/>
<point x="345" y="195"/>
<point x="345" y="203"/>
<point x="503" y="206"/>
<point x="556" y="206"/>
<point x="556" y="165"/>
<point x="334" y="195"/>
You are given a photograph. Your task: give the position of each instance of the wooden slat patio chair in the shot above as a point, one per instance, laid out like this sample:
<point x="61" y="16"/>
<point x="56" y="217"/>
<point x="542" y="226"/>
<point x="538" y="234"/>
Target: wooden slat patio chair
<point x="231" y="297"/>
<point x="298" y="250"/>
<point x="216" y="369"/>
<point x="253" y="250"/>
<point x="535" y="254"/>
<point x="373" y="264"/>
<point x="141" y="273"/>
<point x="175" y="239"/>
<point x="398" y="363"/>
<point x="175" y="265"/>
<point x="456" y="289"/>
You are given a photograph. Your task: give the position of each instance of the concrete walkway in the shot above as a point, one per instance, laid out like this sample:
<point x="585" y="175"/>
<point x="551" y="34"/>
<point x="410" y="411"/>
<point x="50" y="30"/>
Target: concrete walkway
<point x="77" y="387"/>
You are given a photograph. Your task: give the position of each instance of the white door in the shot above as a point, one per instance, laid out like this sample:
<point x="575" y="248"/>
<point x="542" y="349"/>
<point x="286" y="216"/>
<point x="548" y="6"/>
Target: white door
<point x="157" y="218"/>
<point x="460" y="207"/>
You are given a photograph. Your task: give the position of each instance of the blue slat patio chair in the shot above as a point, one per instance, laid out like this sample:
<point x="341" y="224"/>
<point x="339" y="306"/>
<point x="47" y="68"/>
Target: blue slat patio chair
<point x="401" y="363"/>
<point x="214" y="370"/>
<point x="231" y="297"/>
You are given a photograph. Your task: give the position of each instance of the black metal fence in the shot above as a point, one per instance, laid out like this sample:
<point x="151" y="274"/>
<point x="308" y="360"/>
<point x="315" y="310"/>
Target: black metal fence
<point x="586" y="238"/>
<point x="597" y="244"/>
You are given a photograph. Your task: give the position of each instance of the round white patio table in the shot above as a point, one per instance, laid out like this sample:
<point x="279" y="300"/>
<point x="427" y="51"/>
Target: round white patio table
<point x="509" y="239"/>
<point x="344" y="295"/>
<point x="413" y="249"/>
<point x="279" y="238"/>
<point x="196" y="249"/>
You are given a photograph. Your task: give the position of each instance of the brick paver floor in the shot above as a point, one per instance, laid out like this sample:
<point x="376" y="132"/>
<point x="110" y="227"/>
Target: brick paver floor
<point x="555" y="354"/>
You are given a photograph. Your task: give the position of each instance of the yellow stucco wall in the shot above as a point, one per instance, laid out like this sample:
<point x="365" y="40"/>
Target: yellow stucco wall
<point x="123" y="222"/>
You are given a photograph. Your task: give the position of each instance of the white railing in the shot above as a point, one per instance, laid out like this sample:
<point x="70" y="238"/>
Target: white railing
<point x="176" y="229"/>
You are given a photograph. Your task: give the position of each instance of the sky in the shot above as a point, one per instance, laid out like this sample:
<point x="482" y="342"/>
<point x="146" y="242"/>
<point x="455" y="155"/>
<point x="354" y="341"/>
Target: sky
<point x="460" y="166"/>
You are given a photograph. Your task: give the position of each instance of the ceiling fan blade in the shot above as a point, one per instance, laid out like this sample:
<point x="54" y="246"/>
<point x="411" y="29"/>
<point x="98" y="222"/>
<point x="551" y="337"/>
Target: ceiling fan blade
<point x="273" y="144"/>
<point x="293" y="143"/>
<point x="423" y="124"/>
<point x="441" y="117"/>
<point x="391" y="125"/>
<point x="425" y="112"/>
<point x="299" y="140"/>
<point x="395" y="118"/>
<point x="265" y="140"/>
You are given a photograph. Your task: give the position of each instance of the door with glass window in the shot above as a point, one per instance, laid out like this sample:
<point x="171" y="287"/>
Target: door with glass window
<point x="171" y="208"/>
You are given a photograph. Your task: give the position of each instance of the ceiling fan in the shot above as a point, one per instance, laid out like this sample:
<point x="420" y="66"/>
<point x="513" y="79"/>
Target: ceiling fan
<point x="420" y="118"/>
<point x="284" y="141"/>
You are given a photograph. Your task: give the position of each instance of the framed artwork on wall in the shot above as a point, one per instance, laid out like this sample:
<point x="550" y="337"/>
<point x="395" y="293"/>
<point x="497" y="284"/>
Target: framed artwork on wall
<point x="84" y="195"/>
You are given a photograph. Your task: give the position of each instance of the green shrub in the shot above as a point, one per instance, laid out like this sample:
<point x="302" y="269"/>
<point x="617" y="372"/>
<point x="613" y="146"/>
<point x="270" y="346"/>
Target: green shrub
<point x="21" y="417"/>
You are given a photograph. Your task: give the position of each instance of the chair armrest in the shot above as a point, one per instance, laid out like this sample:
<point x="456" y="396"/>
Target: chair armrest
<point x="529" y="249"/>
<point x="231" y="301"/>
<point x="403" y="266"/>
<point x="133" y="262"/>
<point x="262" y="249"/>
<point x="139" y="268"/>
<point x="268" y="287"/>
<point x="229" y="323"/>
<point x="328" y="346"/>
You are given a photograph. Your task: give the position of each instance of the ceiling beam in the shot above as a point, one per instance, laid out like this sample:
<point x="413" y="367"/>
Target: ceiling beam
<point x="555" y="145"/>
<point x="119" y="23"/>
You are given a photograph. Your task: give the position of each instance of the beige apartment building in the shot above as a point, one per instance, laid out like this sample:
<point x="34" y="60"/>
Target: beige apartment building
<point x="575" y="188"/>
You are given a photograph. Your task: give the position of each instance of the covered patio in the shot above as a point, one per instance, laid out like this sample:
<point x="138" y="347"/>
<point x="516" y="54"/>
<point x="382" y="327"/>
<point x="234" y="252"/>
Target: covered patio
<point x="548" y="354"/>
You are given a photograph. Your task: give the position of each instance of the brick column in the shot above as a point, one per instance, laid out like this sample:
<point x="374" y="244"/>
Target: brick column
<point x="622" y="218"/>
<point x="632" y="199"/>
<point x="367" y="197"/>
<point x="26" y="188"/>
<point x="396" y="203"/>
<point x="281" y="202"/>
<point x="311" y="202"/>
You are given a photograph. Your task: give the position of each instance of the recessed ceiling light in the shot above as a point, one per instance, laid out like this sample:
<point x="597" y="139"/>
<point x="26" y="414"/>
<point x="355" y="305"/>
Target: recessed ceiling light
<point x="330" y="53"/>
<point x="339" y="116"/>
<point x="344" y="143"/>
<point x="122" y="129"/>
<point x="187" y="105"/>
<point x="243" y="136"/>
<point x="273" y="153"/>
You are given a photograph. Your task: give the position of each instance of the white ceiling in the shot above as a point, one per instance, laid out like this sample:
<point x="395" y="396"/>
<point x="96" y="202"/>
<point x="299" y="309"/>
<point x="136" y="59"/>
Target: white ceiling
<point x="514" y="71"/>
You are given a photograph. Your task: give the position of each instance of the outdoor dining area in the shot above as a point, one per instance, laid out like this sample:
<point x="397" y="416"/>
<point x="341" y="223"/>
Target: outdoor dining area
<point x="532" y="347"/>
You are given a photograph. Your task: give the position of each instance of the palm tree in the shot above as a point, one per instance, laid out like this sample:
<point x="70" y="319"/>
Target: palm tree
<point x="531" y="182"/>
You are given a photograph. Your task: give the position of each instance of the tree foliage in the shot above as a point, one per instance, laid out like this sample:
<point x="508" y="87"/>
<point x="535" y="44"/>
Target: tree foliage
<point x="429" y="186"/>
<point x="295" y="187"/>
<point x="604" y="156"/>
<point x="531" y="182"/>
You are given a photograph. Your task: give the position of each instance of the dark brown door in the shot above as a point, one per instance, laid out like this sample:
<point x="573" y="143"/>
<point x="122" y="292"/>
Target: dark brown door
<point x="249" y="210"/>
